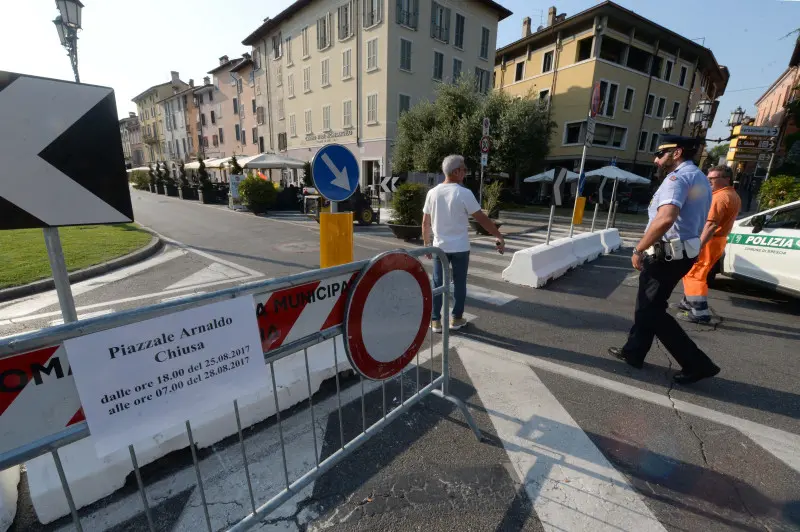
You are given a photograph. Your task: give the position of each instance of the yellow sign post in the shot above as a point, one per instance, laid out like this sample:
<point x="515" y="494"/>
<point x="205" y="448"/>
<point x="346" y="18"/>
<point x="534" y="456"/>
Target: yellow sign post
<point x="577" y="215"/>
<point x="335" y="238"/>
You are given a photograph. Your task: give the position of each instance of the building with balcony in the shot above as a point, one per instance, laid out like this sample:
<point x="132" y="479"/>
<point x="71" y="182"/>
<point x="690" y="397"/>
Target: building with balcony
<point x="246" y="127"/>
<point x="646" y="74"/>
<point x="772" y="110"/>
<point x="151" y="118"/>
<point x="179" y="119"/>
<point x="132" y="146"/>
<point x="344" y="70"/>
<point x="217" y="111"/>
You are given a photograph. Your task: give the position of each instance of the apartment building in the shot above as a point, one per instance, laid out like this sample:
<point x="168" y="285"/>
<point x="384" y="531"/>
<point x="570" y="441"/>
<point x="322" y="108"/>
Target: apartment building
<point x="135" y="141"/>
<point x="344" y="70"/>
<point x="772" y="105"/>
<point x="217" y="111"/>
<point x="179" y="114"/>
<point x="124" y="133"/>
<point x="151" y="119"/>
<point x="646" y="73"/>
<point x="245" y="125"/>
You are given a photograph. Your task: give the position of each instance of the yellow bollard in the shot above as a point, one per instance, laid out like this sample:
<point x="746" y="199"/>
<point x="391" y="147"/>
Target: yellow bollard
<point x="335" y="238"/>
<point x="580" y="205"/>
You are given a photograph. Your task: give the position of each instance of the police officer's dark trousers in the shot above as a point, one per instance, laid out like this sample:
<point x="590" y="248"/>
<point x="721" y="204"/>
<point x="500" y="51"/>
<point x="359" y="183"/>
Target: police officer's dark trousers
<point x="657" y="280"/>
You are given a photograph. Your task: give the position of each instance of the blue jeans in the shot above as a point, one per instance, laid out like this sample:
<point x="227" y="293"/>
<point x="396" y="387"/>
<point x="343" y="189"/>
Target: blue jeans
<point x="460" y="264"/>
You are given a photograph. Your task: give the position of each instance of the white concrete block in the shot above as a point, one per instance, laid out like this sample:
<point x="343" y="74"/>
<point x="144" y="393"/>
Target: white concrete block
<point x="610" y="240"/>
<point x="9" y="480"/>
<point x="91" y="478"/>
<point x="586" y="247"/>
<point x="537" y="265"/>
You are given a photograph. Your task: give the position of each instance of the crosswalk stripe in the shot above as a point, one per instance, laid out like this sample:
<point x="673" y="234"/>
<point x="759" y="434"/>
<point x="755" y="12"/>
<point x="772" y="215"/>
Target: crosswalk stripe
<point x="489" y="260"/>
<point x="486" y="295"/>
<point x="85" y="316"/>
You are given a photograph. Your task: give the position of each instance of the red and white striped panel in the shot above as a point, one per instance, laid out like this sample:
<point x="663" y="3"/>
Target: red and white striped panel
<point x="290" y="314"/>
<point x="37" y="396"/>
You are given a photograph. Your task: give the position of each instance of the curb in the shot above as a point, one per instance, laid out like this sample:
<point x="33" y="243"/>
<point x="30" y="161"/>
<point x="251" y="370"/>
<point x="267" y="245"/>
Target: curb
<point x="36" y="287"/>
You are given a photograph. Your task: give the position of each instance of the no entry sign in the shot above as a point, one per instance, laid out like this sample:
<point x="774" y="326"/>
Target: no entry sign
<point x="388" y="314"/>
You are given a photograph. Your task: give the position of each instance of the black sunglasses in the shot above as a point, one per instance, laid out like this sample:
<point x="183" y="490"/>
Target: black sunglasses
<point x="660" y="153"/>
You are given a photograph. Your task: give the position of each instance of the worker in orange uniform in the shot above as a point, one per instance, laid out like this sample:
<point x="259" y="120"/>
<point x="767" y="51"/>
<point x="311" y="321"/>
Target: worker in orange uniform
<point x="725" y="206"/>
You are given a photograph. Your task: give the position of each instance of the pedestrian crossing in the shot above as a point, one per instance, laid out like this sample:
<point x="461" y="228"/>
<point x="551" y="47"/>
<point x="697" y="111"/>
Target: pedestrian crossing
<point x="488" y="265"/>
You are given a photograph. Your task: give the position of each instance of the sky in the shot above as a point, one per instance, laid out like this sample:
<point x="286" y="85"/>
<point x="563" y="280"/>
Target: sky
<point x="132" y="45"/>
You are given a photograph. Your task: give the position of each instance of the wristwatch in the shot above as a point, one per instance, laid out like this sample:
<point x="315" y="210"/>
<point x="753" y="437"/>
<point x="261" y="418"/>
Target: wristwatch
<point x="637" y="252"/>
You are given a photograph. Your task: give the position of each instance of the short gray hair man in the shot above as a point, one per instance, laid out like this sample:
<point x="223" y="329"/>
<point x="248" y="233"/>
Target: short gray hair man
<point x="724" y="171"/>
<point x="452" y="163"/>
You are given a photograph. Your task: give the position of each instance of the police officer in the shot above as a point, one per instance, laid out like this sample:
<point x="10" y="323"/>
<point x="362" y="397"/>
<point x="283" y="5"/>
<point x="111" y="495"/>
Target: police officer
<point x="664" y="255"/>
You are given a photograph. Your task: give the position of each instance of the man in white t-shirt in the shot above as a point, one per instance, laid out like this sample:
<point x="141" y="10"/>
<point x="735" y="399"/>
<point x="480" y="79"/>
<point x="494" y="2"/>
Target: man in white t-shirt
<point x="445" y="224"/>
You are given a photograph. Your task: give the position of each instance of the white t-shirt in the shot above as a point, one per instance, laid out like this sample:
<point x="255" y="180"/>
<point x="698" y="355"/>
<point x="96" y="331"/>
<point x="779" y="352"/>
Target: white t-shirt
<point x="450" y="206"/>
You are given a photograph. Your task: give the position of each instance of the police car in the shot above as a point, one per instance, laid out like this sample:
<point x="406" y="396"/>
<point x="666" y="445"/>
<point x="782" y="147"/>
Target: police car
<point x="765" y="249"/>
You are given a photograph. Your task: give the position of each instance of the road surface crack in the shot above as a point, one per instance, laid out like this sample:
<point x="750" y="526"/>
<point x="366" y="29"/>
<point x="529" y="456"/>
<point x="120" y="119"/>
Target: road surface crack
<point x="677" y="412"/>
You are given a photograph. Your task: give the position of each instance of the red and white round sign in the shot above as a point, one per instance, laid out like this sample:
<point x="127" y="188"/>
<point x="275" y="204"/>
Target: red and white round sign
<point x="388" y="314"/>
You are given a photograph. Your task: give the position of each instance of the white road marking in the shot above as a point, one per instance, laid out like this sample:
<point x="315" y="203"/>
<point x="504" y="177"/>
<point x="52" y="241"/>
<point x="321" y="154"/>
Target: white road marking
<point x="184" y="296"/>
<point x="214" y="272"/>
<point x="783" y="445"/>
<point x="605" y="267"/>
<point x="477" y="257"/>
<point x="155" y="295"/>
<point x="570" y="482"/>
<point x="493" y="297"/>
<point x="84" y="316"/>
<point x="46" y="299"/>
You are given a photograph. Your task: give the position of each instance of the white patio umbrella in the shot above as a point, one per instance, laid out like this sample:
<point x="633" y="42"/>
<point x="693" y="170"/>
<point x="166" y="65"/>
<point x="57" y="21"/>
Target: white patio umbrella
<point x="548" y="177"/>
<point x="614" y="172"/>
<point x="273" y="160"/>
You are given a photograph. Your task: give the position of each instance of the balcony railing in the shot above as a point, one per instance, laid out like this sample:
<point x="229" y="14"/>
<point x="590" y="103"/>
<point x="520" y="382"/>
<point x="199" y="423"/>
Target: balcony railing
<point x="440" y="33"/>
<point x="409" y="19"/>
<point x="149" y="139"/>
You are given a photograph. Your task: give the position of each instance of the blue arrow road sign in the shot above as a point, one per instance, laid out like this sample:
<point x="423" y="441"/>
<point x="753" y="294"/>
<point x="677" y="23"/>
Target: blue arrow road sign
<point x="335" y="172"/>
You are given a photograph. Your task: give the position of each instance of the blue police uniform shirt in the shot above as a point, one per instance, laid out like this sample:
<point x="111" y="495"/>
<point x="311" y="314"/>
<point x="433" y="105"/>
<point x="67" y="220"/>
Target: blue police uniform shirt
<point x="687" y="187"/>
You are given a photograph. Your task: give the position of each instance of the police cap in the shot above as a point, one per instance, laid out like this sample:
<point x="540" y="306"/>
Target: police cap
<point x="677" y="141"/>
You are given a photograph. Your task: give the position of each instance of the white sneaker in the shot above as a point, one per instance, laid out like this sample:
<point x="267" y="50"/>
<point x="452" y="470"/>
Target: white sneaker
<point x="436" y="326"/>
<point x="457" y="323"/>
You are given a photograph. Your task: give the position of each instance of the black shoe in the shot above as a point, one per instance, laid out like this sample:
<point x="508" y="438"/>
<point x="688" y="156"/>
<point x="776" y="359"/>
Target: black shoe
<point x="617" y="352"/>
<point x="689" y="378"/>
<point x="691" y="318"/>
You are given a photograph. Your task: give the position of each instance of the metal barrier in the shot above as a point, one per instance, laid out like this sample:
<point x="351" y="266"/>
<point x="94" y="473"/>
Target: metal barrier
<point x="438" y="386"/>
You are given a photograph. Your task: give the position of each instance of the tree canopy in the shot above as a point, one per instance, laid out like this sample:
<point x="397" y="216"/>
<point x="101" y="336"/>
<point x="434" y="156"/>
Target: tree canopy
<point x="720" y="150"/>
<point x="452" y="123"/>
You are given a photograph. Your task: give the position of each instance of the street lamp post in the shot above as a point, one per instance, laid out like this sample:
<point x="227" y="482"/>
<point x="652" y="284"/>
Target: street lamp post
<point x="668" y="124"/>
<point x="68" y="22"/>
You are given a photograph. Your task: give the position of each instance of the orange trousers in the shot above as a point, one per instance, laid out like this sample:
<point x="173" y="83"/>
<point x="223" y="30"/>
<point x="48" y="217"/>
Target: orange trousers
<point x="695" y="283"/>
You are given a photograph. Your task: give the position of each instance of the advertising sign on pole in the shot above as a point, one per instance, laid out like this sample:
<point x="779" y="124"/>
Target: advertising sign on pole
<point x="141" y="379"/>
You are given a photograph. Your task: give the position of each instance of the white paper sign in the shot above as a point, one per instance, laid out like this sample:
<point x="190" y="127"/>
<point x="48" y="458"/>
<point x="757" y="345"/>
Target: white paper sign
<point x="141" y="379"/>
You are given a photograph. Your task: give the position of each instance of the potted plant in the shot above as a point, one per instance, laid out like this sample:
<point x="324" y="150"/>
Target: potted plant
<point x="491" y="205"/>
<point x="205" y="190"/>
<point x="184" y="190"/>
<point x="257" y="194"/>
<point x="407" y="203"/>
<point x="171" y="183"/>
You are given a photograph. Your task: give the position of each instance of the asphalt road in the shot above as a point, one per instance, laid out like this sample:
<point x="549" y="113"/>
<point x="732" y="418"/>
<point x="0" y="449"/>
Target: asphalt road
<point x="575" y="440"/>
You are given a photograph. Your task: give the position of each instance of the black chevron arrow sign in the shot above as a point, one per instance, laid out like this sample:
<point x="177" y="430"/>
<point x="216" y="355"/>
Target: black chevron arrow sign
<point x="61" y="159"/>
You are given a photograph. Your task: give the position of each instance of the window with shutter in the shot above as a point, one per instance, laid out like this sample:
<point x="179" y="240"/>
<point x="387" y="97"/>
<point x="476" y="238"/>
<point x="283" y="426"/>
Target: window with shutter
<point x="346" y="61"/>
<point x="347" y="113"/>
<point x="326" y="118"/>
<point x="372" y="109"/>
<point x="459" y="38"/>
<point x="408" y="13"/>
<point x="372" y="54"/>
<point x="484" y="53"/>
<point x="440" y="22"/>
<point x="307" y="79"/>
<point x="308" y="121"/>
<point x="405" y="55"/>
<point x="290" y="83"/>
<point x="260" y="116"/>
<point x="438" y="66"/>
<point x="326" y="72"/>
<point x="292" y="125"/>
<point x="373" y="12"/>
